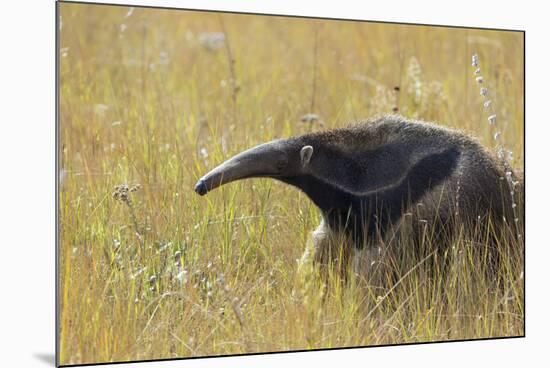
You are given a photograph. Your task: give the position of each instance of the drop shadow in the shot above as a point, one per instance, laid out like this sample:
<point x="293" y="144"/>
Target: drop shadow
<point x="47" y="358"/>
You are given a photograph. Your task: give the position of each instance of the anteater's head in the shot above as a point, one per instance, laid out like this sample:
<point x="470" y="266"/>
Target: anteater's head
<point x="279" y="159"/>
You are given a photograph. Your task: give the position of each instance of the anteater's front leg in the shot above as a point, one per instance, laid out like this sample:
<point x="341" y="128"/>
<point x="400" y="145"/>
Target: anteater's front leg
<point x="328" y="248"/>
<point x="316" y="246"/>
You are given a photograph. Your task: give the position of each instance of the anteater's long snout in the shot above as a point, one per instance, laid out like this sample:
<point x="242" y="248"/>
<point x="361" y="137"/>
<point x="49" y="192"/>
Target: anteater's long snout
<point x="267" y="159"/>
<point x="201" y="188"/>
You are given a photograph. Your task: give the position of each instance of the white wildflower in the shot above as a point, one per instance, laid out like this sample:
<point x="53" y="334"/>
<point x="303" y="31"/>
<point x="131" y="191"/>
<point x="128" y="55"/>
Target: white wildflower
<point x="212" y="41"/>
<point x="130" y="12"/>
<point x="163" y="58"/>
<point x="474" y="60"/>
<point x="414" y="74"/>
<point x="101" y="109"/>
<point x="309" y="118"/>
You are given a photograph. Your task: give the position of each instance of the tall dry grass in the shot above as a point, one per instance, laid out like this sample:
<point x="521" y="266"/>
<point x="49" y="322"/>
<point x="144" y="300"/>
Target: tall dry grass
<point x="157" y="97"/>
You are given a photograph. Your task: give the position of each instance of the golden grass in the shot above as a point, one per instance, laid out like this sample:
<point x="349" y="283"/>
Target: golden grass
<point x="171" y="274"/>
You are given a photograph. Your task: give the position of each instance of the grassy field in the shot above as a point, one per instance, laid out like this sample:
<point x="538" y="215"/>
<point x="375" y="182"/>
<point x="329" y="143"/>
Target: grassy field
<point x="153" y="99"/>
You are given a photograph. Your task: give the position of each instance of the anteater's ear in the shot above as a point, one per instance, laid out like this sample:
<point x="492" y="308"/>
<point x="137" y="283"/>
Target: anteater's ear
<point x="305" y="154"/>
